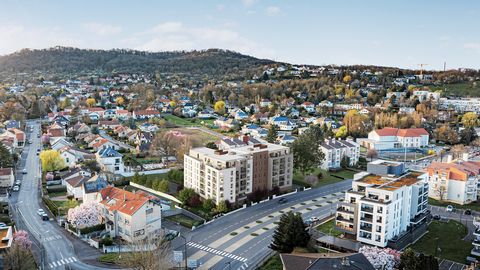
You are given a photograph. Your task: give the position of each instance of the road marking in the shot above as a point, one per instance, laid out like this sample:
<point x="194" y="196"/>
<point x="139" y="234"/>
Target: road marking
<point x="216" y="251"/>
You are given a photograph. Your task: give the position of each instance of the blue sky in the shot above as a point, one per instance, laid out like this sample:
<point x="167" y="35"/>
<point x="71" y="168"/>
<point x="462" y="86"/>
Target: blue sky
<point x="390" y="33"/>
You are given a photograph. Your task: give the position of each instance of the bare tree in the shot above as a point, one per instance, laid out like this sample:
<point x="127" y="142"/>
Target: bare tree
<point x="372" y="153"/>
<point x="150" y="253"/>
<point x="476" y="143"/>
<point x="18" y="258"/>
<point x="312" y="180"/>
<point x="457" y="150"/>
<point x="441" y="190"/>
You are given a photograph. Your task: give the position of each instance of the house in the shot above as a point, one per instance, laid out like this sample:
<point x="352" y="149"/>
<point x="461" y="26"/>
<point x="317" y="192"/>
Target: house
<point x="110" y="160"/>
<point x="6" y="234"/>
<point x="385" y="202"/>
<point x="204" y="115"/>
<point x="79" y="128"/>
<point x="145" y="114"/>
<point x="55" y="131"/>
<point x="72" y="155"/>
<point x="71" y="173"/>
<point x="336" y="150"/>
<point x="324" y="261"/>
<point x="240" y="115"/>
<point x="455" y="182"/>
<point x="16" y="136"/>
<point x="259" y="117"/>
<point x="59" y="143"/>
<point x="285" y="139"/>
<point x="122" y="114"/>
<point x="108" y="124"/>
<point x="7" y="177"/>
<point x="147" y="127"/>
<point x="121" y="131"/>
<point x="406" y="110"/>
<point x="226" y="123"/>
<point x="308" y="106"/>
<point x="76" y="186"/>
<point x="265" y="103"/>
<point x="131" y="216"/>
<point x="92" y="187"/>
<point x="395" y="138"/>
<point x="424" y="95"/>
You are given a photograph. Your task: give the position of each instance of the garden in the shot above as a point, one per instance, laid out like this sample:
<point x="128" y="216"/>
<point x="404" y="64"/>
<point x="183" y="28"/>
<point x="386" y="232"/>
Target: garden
<point x="321" y="177"/>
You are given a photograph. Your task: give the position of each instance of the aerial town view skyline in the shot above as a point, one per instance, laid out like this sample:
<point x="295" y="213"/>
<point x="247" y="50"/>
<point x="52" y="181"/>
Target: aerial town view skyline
<point x="245" y="134"/>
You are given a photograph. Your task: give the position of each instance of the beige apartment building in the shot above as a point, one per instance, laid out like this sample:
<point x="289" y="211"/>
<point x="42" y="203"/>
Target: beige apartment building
<point x="238" y="168"/>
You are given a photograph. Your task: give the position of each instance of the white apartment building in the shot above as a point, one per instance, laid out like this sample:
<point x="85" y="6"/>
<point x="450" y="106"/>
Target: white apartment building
<point x="455" y="182"/>
<point x="380" y="207"/>
<point x="335" y="150"/>
<point x="237" y="169"/>
<point x="391" y="138"/>
<point x="461" y="104"/>
<point x="424" y="95"/>
<point x="129" y="215"/>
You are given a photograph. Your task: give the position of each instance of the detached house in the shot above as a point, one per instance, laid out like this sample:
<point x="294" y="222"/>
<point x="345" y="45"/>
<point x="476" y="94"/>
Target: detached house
<point x="145" y="114"/>
<point x="6" y="177"/>
<point x="16" y="136"/>
<point x="110" y="160"/>
<point x="129" y="215"/>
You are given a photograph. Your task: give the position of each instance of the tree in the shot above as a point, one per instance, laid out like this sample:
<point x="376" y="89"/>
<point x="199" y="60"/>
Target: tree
<point x="84" y="215"/>
<point x="18" y="258"/>
<point x="120" y="101"/>
<point x="6" y="158"/>
<point x="341" y="132"/>
<point x="65" y="103"/>
<point x="208" y="205"/>
<point x="381" y="258"/>
<point x="312" y="180"/>
<point x="470" y="119"/>
<point x="458" y="150"/>
<point x="272" y="134"/>
<point x="211" y="145"/>
<point x="222" y="207"/>
<point x="345" y="162"/>
<point x="441" y="190"/>
<point x="21" y="238"/>
<point x="163" y="186"/>
<point x="51" y="160"/>
<point x="219" y="107"/>
<point x="91" y="102"/>
<point x="372" y="153"/>
<point x="150" y="253"/>
<point x="408" y="260"/>
<point x="290" y="233"/>
<point x="185" y="195"/>
<point x="347" y="79"/>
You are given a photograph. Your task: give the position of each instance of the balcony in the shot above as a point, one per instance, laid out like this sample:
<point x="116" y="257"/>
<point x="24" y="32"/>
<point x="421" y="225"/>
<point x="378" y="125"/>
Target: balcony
<point x="476" y="242"/>
<point x="343" y="219"/>
<point x="366" y="228"/>
<point x="367" y="219"/>
<point x="476" y="233"/>
<point x="343" y="228"/>
<point x="367" y="209"/>
<point x="345" y="210"/>
<point x="475" y="251"/>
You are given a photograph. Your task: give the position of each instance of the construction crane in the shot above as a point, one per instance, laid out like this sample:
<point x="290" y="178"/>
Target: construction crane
<point x="421" y="68"/>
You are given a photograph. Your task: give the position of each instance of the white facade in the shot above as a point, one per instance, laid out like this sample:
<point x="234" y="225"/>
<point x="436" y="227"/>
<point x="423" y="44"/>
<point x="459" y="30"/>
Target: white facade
<point x="391" y="138"/>
<point x="461" y="105"/>
<point x="335" y="150"/>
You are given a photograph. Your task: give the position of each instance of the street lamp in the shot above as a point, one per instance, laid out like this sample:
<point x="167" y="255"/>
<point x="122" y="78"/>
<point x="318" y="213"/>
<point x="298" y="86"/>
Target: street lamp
<point x="185" y="249"/>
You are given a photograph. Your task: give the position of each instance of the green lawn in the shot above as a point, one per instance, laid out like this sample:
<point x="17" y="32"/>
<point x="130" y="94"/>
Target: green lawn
<point x="178" y="121"/>
<point x="327" y="177"/>
<point x="450" y="243"/>
<point x="57" y="194"/>
<point x="274" y="263"/>
<point x="473" y="206"/>
<point x="329" y="228"/>
<point x="64" y="205"/>
<point x="110" y="258"/>
<point x="464" y="89"/>
<point x="184" y="220"/>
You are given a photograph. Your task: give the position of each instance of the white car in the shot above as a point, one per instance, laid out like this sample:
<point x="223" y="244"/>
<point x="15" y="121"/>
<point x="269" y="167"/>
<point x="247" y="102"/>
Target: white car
<point x="24" y="171"/>
<point x="40" y="212"/>
<point x="16" y="188"/>
<point x="449" y="208"/>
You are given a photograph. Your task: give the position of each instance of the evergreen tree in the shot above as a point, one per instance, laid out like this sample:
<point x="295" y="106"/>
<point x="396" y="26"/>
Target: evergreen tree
<point x="272" y="134"/>
<point x="290" y="233"/>
<point x="6" y="159"/>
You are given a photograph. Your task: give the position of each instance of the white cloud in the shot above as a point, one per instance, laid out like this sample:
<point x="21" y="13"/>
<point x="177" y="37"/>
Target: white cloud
<point x="177" y="36"/>
<point x="102" y="29"/>
<point x="248" y="3"/>
<point x="472" y="46"/>
<point x="273" y="10"/>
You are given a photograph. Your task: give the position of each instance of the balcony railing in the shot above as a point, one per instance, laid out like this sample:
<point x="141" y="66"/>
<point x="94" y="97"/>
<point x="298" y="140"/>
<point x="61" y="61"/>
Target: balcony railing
<point x="367" y="209"/>
<point x="367" y="219"/>
<point x="366" y="228"/>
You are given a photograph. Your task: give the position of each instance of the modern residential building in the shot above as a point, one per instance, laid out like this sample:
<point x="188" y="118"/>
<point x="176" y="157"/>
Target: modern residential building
<point x="394" y="138"/>
<point x="455" y="182"/>
<point x="384" y="203"/>
<point x="129" y="215"/>
<point x="460" y="104"/>
<point x="238" y="168"/>
<point x="335" y="150"/>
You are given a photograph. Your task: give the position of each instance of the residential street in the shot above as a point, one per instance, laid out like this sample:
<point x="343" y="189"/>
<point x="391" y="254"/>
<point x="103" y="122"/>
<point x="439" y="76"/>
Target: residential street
<point x="214" y="247"/>
<point x="57" y="249"/>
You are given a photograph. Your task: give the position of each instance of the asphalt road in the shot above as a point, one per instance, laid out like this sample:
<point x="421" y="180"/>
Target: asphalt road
<point x="56" y="249"/>
<point x="240" y="240"/>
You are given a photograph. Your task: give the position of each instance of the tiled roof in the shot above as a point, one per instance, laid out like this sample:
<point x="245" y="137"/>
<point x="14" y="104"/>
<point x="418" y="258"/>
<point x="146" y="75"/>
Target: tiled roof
<point x="456" y="171"/>
<point x="5" y="171"/>
<point x="408" y="132"/>
<point x="115" y="199"/>
<point x="109" y="152"/>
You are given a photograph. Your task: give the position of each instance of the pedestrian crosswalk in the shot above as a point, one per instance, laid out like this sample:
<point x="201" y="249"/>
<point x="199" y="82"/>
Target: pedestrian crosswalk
<point x="61" y="262"/>
<point x="244" y="266"/>
<point x="51" y="238"/>
<point x="217" y="252"/>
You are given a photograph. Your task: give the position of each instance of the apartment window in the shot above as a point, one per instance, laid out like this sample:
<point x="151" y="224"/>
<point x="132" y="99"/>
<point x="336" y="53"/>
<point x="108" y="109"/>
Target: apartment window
<point x="149" y="211"/>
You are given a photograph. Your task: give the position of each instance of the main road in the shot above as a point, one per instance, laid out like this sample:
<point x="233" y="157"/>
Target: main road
<point x="57" y="250"/>
<point x="241" y="240"/>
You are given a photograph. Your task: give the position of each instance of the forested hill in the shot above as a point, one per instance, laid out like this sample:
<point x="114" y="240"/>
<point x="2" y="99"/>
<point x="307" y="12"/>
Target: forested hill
<point x="213" y="62"/>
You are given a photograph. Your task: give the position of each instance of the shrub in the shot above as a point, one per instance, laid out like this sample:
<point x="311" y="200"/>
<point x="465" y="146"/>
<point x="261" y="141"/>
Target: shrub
<point x="96" y="228"/>
<point x="254" y="234"/>
<point x="50" y="205"/>
<point x="107" y="241"/>
<point x="233" y="233"/>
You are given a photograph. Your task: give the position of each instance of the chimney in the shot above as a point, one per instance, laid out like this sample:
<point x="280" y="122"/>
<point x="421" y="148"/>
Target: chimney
<point x="245" y="139"/>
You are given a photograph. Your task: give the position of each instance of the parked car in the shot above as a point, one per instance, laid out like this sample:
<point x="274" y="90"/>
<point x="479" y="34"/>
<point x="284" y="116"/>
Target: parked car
<point x="436" y="217"/>
<point x="2" y="225"/>
<point x="314" y="219"/>
<point x="40" y="212"/>
<point x="16" y="188"/>
<point x="18" y="182"/>
<point x="467" y="212"/>
<point x="449" y="208"/>
<point x="24" y="171"/>
<point x="282" y="200"/>
<point x="45" y="217"/>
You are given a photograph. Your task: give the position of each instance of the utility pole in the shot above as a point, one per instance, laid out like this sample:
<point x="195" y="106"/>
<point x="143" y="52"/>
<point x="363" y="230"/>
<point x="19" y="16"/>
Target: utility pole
<point x="185" y="250"/>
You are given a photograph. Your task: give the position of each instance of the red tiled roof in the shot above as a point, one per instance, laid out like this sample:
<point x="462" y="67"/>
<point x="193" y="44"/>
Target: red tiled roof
<point x="56" y="133"/>
<point x="5" y="171"/>
<point x="116" y="199"/>
<point x="408" y="132"/>
<point x="20" y="135"/>
<point x="96" y="109"/>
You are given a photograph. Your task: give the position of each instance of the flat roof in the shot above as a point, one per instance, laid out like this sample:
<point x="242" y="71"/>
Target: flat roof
<point x="391" y="184"/>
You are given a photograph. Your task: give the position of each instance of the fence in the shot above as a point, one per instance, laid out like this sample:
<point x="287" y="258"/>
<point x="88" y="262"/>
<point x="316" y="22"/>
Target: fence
<point x="129" y="248"/>
<point x="132" y="173"/>
<point x="161" y="194"/>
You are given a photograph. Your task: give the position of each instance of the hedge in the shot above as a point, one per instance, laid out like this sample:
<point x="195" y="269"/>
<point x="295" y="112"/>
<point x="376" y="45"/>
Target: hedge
<point x="50" y="205"/>
<point x="56" y="189"/>
<point x="87" y="230"/>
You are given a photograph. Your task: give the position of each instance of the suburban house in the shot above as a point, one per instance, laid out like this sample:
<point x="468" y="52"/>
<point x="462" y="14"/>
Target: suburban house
<point x="131" y="216"/>
<point x="238" y="168"/>
<point x="455" y="182"/>
<point x="55" y="131"/>
<point x="145" y="114"/>
<point x="110" y="160"/>
<point x="394" y="138"/>
<point x="385" y="202"/>
<point x="6" y="177"/>
<point x="16" y="136"/>
<point x="336" y="150"/>
<point x="76" y="185"/>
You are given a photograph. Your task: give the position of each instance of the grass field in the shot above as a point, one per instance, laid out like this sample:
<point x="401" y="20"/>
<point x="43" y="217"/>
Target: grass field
<point x="448" y="236"/>
<point x="327" y="178"/>
<point x="466" y="89"/>
<point x="473" y="206"/>
<point x="183" y="220"/>
<point x="274" y="263"/>
<point x="329" y="228"/>
<point x="187" y="122"/>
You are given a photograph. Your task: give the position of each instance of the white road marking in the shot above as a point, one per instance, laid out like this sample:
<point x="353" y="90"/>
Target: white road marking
<point x="217" y="252"/>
